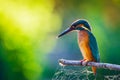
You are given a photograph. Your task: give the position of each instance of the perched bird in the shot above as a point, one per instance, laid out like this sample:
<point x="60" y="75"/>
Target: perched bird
<point x="86" y="41"/>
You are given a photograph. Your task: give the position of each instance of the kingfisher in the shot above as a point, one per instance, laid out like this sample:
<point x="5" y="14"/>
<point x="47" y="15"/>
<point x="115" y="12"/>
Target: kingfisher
<point x="86" y="41"/>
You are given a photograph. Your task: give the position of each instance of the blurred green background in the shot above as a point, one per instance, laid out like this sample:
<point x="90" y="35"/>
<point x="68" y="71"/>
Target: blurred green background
<point x="29" y="49"/>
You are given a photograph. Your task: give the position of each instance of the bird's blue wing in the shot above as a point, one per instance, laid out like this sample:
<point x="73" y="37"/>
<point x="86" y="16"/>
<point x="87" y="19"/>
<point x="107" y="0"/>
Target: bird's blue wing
<point x="94" y="47"/>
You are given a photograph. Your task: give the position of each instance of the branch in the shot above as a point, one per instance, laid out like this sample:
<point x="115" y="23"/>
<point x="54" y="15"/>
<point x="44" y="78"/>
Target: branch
<point x="64" y="62"/>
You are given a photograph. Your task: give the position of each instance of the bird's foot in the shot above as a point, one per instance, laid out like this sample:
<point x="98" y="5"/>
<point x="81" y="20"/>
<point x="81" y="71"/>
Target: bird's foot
<point x="84" y="62"/>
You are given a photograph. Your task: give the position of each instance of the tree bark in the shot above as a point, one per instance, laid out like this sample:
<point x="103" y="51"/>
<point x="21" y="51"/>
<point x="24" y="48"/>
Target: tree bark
<point x="64" y="62"/>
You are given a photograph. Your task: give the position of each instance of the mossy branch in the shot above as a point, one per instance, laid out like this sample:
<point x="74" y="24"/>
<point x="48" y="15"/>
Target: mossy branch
<point x="64" y="62"/>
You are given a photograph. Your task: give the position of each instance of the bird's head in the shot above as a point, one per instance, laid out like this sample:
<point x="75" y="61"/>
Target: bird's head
<point x="79" y="24"/>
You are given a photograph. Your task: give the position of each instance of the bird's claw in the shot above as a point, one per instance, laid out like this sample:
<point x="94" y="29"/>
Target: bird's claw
<point x="84" y="62"/>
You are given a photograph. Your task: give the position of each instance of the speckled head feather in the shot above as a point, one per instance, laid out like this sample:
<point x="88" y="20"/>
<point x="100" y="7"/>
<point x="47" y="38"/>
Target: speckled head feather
<point x="81" y="21"/>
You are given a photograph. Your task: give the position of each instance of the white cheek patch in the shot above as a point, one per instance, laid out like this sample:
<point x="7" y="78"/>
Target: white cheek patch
<point x="85" y="28"/>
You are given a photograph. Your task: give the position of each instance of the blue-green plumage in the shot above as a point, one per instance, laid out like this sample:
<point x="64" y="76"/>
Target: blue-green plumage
<point x="77" y="22"/>
<point x="93" y="47"/>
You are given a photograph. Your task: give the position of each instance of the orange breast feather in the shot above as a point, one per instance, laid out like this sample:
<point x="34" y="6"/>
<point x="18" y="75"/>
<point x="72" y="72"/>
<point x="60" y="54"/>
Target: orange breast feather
<point x="83" y="40"/>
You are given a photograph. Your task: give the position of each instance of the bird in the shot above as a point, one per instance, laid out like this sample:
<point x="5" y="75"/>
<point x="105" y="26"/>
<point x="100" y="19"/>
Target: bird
<point x="86" y="41"/>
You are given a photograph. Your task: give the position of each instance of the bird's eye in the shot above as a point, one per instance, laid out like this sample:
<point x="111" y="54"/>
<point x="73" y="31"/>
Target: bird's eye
<point x="73" y="26"/>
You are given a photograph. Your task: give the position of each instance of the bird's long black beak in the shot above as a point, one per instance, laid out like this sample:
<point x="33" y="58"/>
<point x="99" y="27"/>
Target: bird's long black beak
<point x="65" y="32"/>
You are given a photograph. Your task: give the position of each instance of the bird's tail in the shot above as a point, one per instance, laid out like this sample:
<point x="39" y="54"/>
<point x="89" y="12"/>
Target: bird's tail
<point x="94" y="69"/>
